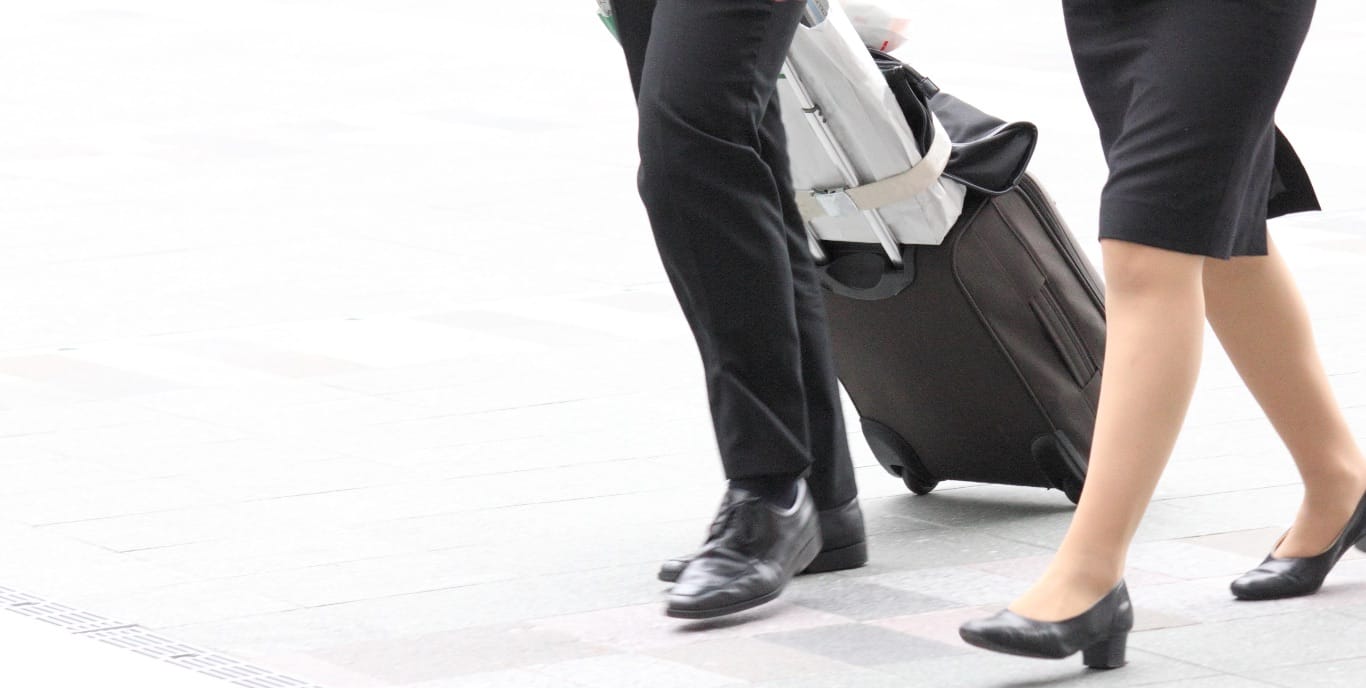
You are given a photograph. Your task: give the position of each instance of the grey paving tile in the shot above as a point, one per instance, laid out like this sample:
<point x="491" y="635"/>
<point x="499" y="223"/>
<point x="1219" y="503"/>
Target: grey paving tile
<point x="1030" y="569"/>
<point x="511" y="678"/>
<point x="1223" y="512"/>
<point x="58" y="568"/>
<point x="885" y="515"/>
<point x="861" y="644"/>
<point x="98" y="444"/>
<point x="318" y="671"/>
<point x="844" y="678"/>
<point x="85" y="377"/>
<point x="859" y="600"/>
<point x="1216" y="682"/>
<point x="634" y="671"/>
<point x="497" y="603"/>
<point x="1223" y="404"/>
<point x="1249" y="645"/>
<point x="986" y="506"/>
<point x="273" y="360"/>
<point x="964" y="585"/>
<point x="264" y="553"/>
<point x="687" y="512"/>
<point x="297" y="631"/>
<point x="939" y="626"/>
<point x="182" y="604"/>
<point x="645" y="628"/>
<point x="258" y="456"/>
<point x="1209" y="599"/>
<point x="935" y="547"/>
<point x="1148" y="619"/>
<point x="1226" y="439"/>
<point x="1191" y="477"/>
<point x="385" y="576"/>
<point x="166" y="529"/>
<point x="292" y="479"/>
<point x="1184" y="559"/>
<point x="980" y="669"/>
<point x="633" y="545"/>
<point x="1252" y="543"/>
<point x="19" y="476"/>
<point x="107" y="500"/>
<point x="1039" y="518"/>
<point x="1341" y="674"/>
<point x="429" y="657"/>
<point x="751" y="660"/>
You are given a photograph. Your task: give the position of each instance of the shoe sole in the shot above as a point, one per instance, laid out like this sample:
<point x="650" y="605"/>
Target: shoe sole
<point x="1102" y="656"/>
<point x="840" y="559"/>
<point x="1276" y="596"/>
<point x="696" y="614"/>
<point x="1005" y="649"/>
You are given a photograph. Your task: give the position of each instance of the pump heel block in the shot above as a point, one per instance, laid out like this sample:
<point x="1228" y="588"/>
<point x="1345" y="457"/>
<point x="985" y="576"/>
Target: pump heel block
<point x="1107" y="654"/>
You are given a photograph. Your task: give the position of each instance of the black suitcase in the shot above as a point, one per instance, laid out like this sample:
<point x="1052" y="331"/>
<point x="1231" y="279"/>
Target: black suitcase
<point x="978" y="359"/>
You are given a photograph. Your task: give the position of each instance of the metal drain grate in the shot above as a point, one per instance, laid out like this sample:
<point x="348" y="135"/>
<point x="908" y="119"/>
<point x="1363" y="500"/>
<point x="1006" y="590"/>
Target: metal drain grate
<point x="142" y="641"/>
<point x="65" y="617"/>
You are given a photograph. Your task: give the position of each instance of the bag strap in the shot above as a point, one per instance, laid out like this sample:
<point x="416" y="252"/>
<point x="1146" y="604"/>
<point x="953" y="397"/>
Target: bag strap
<point x="885" y="192"/>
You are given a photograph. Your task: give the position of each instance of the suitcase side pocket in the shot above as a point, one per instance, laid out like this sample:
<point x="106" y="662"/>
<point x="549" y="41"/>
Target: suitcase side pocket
<point x="1063" y="335"/>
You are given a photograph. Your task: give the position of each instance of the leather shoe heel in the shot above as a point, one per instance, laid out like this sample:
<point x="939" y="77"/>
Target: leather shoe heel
<point x="850" y="557"/>
<point x="1106" y="654"/>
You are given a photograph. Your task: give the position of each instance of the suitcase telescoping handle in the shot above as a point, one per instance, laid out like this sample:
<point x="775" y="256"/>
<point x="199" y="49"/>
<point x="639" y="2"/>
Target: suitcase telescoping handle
<point x="846" y="169"/>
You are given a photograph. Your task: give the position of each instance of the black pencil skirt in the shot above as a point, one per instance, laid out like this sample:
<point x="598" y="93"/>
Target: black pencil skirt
<point x="1185" y="93"/>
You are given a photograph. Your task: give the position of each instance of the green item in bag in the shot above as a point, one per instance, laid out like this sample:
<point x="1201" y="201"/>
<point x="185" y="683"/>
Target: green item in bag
<point x="605" y="14"/>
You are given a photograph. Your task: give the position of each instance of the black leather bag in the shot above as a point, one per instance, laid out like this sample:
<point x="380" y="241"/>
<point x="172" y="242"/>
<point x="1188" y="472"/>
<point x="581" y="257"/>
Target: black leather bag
<point x="989" y="154"/>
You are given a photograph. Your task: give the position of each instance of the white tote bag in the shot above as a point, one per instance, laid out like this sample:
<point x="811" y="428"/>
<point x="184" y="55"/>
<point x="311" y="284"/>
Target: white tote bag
<point x="856" y="168"/>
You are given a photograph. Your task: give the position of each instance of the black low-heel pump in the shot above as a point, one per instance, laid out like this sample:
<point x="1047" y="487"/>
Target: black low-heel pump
<point x="1101" y="633"/>
<point x="1278" y="578"/>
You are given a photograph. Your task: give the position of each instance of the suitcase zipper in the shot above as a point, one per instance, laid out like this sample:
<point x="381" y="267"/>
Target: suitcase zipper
<point x="1035" y="194"/>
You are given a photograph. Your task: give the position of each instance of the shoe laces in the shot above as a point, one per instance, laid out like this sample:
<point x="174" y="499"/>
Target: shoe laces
<point x="736" y="525"/>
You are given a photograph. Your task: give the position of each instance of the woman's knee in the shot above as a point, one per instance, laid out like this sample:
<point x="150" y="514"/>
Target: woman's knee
<point x="1137" y="269"/>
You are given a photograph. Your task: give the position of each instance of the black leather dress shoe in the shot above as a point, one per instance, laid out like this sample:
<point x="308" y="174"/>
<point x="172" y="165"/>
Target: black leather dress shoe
<point x="754" y="550"/>
<point x="1296" y="576"/>
<point x="1101" y="633"/>
<point x="846" y="546"/>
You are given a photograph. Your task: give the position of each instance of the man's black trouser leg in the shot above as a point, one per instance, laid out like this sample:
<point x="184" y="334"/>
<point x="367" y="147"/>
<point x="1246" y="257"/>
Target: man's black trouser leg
<point x="715" y="182"/>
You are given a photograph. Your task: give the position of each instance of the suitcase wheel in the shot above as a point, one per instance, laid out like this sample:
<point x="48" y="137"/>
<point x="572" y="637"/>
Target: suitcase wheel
<point x="896" y="455"/>
<point x="918" y="486"/>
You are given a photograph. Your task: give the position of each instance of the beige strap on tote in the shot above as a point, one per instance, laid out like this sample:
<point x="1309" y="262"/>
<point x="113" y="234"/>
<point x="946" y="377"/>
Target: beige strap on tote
<point x="894" y="189"/>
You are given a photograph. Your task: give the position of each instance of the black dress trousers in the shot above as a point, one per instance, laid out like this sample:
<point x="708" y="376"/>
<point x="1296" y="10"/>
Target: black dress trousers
<point x="715" y="181"/>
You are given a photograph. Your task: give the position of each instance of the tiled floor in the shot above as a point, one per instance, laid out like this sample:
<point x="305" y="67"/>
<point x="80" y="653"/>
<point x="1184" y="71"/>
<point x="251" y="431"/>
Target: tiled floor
<point x="335" y="341"/>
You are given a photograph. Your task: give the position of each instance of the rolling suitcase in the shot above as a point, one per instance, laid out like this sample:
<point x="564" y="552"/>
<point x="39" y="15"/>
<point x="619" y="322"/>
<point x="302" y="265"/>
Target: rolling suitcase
<point x="972" y="352"/>
<point x="985" y="365"/>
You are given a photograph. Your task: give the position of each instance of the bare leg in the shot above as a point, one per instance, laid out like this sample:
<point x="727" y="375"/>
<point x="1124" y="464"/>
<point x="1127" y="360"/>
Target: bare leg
<point x="1155" y="309"/>
<point x="1260" y="319"/>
